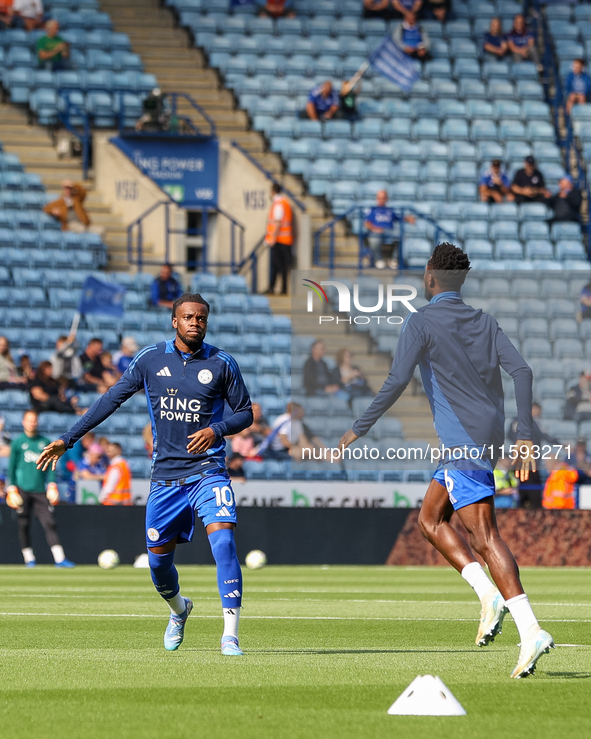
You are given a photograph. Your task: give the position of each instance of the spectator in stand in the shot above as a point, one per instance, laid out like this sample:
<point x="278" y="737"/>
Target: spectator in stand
<point x="69" y="210"/>
<point x="27" y="14"/>
<point x="437" y="10"/>
<point x="352" y="381"/>
<point x="4" y="439"/>
<point x="260" y="428"/>
<point x="403" y="8"/>
<point x="566" y="203"/>
<point x="8" y="371"/>
<point x="65" y="364"/>
<point x="318" y="379"/>
<point x="494" y="42"/>
<point x="323" y="102"/>
<point x="92" y="466"/>
<point x="116" y="489"/>
<point x="377" y="9"/>
<point x="521" y="42"/>
<point x="275" y="8"/>
<point x="412" y="38"/>
<point x="380" y="221"/>
<point x="559" y="490"/>
<point x="577" y="85"/>
<point x="585" y="302"/>
<point x="528" y="184"/>
<point x="348" y="100"/>
<point x="235" y="468"/>
<point x="25" y="369"/>
<point x="47" y="394"/>
<point x="289" y="435"/>
<point x="52" y="51"/>
<point x="495" y="185"/>
<point x="279" y="238"/>
<point x="110" y="371"/>
<point x="5" y="14"/>
<point x="165" y="288"/>
<point x="578" y="400"/>
<point x="127" y="351"/>
<point x="95" y="375"/>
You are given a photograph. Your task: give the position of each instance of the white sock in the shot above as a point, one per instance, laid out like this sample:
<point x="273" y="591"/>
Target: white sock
<point x="522" y="613"/>
<point x="28" y="555"/>
<point x="58" y="553"/>
<point x="477" y="579"/>
<point x="177" y="604"/>
<point x="231" y="617"/>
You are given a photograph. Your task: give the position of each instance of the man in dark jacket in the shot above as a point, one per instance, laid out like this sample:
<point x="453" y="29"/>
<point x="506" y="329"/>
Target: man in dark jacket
<point x="318" y="378"/>
<point x="566" y="204"/>
<point x="165" y="289"/>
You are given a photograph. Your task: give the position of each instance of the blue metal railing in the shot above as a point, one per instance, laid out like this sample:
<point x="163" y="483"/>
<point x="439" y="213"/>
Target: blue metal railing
<point x="364" y="251"/>
<point x="172" y="99"/>
<point x="65" y="118"/>
<point x="268" y="175"/>
<point x="135" y="253"/>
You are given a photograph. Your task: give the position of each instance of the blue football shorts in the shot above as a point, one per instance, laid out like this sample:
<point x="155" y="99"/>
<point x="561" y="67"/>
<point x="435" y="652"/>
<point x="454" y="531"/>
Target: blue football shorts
<point x="170" y="511"/>
<point x="465" y="482"/>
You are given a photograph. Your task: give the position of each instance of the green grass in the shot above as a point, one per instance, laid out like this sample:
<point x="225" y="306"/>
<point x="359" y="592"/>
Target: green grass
<point x="327" y="652"/>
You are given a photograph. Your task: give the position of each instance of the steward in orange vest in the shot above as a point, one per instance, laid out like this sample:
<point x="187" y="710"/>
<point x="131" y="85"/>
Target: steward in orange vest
<point x="279" y="237"/>
<point x="116" y="488"/>
<point x="559" y="490"/>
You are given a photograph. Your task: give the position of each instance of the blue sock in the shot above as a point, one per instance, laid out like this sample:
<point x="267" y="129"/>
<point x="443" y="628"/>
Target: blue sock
<point x="229" y="573"/>
<point x="164" y="574"/>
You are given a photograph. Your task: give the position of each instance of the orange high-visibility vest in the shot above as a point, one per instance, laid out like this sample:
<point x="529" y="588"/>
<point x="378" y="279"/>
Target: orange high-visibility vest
<point x="285" y="232"/>
<point x="122" y="493"/>
<point x="559" y="490"/>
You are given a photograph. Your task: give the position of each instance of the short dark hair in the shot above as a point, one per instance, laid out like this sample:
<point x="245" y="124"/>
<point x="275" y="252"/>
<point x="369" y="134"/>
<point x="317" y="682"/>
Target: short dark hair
<point x="116" y="444"/>
<point x="581" y="61"/>
<point x="189" y="298"/>
<point x="94" y="340"/>
<point x="276" y="188"/>
<point x="451" y="265"/>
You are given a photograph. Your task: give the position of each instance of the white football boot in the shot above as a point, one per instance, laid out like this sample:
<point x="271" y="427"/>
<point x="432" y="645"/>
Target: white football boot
<point x="538" y="642"/>
<point x="491" y="618"/>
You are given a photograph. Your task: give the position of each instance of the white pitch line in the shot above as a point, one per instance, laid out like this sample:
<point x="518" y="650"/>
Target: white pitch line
<point x="277" y="618"/>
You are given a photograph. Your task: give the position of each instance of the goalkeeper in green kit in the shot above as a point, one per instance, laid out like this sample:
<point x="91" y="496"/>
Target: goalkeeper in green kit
<point x="32" y="491"/>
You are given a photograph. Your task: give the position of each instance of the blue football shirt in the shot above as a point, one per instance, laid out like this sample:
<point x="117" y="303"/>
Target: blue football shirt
<point x="322" y="104"/>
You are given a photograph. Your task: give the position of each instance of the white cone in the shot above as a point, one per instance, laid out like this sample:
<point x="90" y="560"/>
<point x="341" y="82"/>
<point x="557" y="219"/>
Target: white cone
<point x="426" y="696"/>
<point x="141" y="561"/>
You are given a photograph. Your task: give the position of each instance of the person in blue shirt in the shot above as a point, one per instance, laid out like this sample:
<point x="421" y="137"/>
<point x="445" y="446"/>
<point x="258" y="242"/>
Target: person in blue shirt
<point x="380" y="222"/>
<point x="412" y="38"/>
<point x="188" y="383"/>
<point x="323" y="102"/>
<point x="165" y="288"/>
<point x="495" y="186"/>
<point x="577" y="85"/>
<point x="460" y="351"/>
<point x="494" y="42"/>
<point x="521" y="42"/>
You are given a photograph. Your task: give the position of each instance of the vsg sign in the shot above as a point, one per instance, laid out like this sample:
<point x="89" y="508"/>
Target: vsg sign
<point x="388" y="298"/>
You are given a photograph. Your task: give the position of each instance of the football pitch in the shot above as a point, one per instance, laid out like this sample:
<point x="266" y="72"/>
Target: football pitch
<point x="328" y="649"/>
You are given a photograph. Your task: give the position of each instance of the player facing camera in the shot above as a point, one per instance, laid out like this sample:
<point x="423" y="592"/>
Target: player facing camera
<point x="189" y="318"/>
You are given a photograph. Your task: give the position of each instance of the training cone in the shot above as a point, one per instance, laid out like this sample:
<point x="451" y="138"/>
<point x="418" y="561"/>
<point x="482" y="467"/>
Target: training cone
<point x="426" y="696"/>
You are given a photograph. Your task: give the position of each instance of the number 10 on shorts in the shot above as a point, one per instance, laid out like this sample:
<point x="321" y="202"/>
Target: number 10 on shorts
<point x="223" y="496"/>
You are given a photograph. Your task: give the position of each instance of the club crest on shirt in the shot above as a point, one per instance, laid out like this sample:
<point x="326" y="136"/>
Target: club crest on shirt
<point x="205" y="377"/>
<point x="153" y="535"/>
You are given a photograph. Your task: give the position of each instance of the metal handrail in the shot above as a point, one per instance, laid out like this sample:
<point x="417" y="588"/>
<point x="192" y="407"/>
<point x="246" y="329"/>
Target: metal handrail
<point x="268" y="175"/>
<point x="174" y="99"/>
<point x="84" y="136"/>
<point x="363" y="250"/>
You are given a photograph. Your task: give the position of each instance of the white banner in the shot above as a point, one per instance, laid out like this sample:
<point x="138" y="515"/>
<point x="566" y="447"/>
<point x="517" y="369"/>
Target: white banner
<point x="293" y="494"/>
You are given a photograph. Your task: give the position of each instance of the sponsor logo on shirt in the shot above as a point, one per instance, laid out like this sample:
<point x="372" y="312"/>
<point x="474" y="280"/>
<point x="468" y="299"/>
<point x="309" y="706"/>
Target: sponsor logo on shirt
<point x="173" y="408"/>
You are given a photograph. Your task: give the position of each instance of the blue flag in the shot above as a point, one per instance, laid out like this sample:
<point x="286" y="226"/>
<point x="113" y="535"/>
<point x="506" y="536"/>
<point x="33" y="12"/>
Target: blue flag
<point x="389" y="59"/>
<point x="101" y="297"/>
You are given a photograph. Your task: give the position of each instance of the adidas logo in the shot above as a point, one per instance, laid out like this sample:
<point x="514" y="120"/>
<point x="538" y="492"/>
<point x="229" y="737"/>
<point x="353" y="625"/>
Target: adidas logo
<point x="164" y="372"/>
<point x="233" y="594"/>
<point x="223" y="512"/>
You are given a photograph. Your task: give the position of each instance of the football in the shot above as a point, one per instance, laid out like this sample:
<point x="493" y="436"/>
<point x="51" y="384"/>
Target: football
<point x="108" y="559"/>
<point x="255" y="560"/>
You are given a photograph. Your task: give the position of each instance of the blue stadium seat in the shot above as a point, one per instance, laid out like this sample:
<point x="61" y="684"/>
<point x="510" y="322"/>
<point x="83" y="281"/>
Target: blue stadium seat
<point x="539" y="249"/>
<point x="565" y="231"/>
<point x="479" y="248"/>
<point x="534" y="230"/>
<point x="454" y="129"/>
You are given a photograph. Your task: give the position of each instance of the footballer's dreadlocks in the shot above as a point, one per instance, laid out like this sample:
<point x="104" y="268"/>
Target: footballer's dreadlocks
<point x="450" y="265"/>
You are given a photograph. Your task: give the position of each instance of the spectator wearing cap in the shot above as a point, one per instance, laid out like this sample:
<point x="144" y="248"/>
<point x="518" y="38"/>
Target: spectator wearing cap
<point x="380" y="222"/>
<point x="165" y="288"/>
<point x="577" y="85"/>
<point x="69" y="208"/>
<point x="585" y="302"/>
<point x="275" y="8"/>
<point x="566" y="203"/>
<point x="521" y="42"/>
<point x="494" y="185"/>
<point x="323" y="102"/>
<point x="494" y="42"/>
<point x="127" y="351"/>
<point x="528" y="184"/>
<point x="52" y="50"/>
<point x="412" y="38"/>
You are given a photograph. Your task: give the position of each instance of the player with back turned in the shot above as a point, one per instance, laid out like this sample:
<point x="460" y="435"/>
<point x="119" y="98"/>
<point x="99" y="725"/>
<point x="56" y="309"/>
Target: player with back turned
<point x="187" y="384"/>
<point x="460" y="352"/>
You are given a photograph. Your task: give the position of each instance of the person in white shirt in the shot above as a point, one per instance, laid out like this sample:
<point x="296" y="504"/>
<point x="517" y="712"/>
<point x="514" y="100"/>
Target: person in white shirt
<point x="27" y="13"/>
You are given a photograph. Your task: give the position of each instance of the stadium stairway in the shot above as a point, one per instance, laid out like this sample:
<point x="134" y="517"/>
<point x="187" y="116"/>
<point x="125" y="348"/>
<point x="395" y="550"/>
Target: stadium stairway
<point x="168" y="52"/>
<point x="34" y="147"/>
